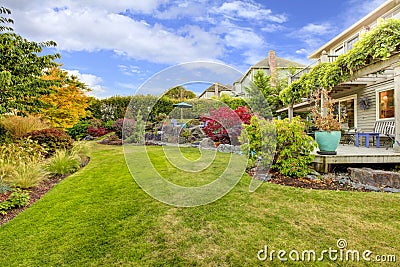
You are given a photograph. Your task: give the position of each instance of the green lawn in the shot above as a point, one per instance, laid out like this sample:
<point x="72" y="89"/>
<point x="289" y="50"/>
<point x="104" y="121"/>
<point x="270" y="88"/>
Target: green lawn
<point x="100" y="216"/>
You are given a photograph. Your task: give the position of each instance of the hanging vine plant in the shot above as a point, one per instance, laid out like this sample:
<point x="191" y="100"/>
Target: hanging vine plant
<point x="324" y="75"/>
<point x="378" y="44"/>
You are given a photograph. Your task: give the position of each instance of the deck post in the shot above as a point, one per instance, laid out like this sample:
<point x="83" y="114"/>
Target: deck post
<point x="290" y="112"/>
<point x="396" y="145"/>
<point x="290" y="106"/>
<point x="324" y="57"/>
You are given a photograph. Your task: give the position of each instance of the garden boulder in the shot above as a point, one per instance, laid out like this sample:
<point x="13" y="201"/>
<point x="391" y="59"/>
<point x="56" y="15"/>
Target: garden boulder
<point x="376" y="178"/>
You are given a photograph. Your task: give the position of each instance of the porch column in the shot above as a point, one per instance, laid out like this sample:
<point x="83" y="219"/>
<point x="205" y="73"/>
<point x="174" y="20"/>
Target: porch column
<point x="396" y="145"/>
<point x="324" y="57"/>
<point x="290" y="112"/>
<point x="290" y="106"/>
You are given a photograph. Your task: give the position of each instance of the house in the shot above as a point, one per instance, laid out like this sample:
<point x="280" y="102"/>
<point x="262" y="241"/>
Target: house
<point x="272" y="66"/>
<point x="216" y="90"/>
<point x="374" y="94"/>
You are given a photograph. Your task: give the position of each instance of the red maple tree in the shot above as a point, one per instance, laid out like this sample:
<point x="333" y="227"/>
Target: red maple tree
<point x="224" y="125"/>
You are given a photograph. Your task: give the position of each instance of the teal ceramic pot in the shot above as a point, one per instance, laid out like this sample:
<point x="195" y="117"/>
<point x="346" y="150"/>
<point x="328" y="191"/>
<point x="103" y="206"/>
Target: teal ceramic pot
<point x="328" y="141"/>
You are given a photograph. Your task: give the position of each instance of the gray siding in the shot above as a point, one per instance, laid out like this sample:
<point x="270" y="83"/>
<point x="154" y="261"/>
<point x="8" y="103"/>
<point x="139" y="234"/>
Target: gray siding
<point x="365" y="118"/>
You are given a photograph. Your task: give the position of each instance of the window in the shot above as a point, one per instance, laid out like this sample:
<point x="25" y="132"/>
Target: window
<point x="386" y="104"/>
<point x="349" y="44"/>
<point x="396" y="14"/>
<point x="346" y="111"/>
<point x="338" y="51"/>
<point x="392" y="14"/>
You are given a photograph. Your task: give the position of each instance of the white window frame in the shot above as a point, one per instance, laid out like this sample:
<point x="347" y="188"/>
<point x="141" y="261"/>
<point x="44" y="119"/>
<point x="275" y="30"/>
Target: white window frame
<point x="349" y="97"/>
<point x="394" y="13"/>
<point x="346" y="45"/>
<point x="386" y="88"/>
<point x="341" y="46"/>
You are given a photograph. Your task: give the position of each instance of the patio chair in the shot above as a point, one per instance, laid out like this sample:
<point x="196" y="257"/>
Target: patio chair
<point x="386" y="129"/>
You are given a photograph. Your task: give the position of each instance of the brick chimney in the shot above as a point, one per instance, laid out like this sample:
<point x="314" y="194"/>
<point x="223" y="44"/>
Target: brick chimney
<point x="272" y="66"/>
<point x="216" y="90"/>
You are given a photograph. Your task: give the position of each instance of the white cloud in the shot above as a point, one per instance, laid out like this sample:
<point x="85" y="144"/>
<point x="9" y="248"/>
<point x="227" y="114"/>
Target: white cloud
<point x="139" y="29"/>
<point x="367" y="6"/>
<point x="316" y="29"/>
<point x="101" y="25"/>
<point x="97" y="29"/>
<point x="179" y="9"/>
<point x="313" y="34"/>
<point x="249" y="10"/>
<point x="251" y="57"/>
<point x="206" y="10"/>
<point x="249" y="43"/>
<point x="243" y="38"/>
<point x="129" y="70"/>
<point x="273" y="28"/>
<point x="302" y="51"/>
<point x="92" y="81"/>
<point x="147" y="6"/>
<point x="358" y="8"/>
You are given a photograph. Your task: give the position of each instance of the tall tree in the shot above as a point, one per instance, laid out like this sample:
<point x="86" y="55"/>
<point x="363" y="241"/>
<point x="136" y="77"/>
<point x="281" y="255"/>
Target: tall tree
<point x="179" y="92"/>
<point x="68" y="102"/>
<point x="259" y="94"/>
<point x="263" y="97"/>
<point x="22" y="69"/>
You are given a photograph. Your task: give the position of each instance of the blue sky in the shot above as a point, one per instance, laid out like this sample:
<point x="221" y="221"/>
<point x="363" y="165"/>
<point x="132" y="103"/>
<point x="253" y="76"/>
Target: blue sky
<point x="116" y="46"/>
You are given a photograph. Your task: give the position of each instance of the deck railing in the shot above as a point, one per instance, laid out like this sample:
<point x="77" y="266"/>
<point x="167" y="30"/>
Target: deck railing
<point x="307" y="69"/>
<point x="297" y="75"/>
<point x="332" y="58"/>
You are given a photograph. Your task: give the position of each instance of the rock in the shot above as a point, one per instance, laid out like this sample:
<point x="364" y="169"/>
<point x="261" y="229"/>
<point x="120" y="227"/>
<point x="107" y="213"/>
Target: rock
<point x="225" y="148"/>
<point x="312" y="177"/>
<point x="221" y="148"/>
<point x="391" y="190"/>
<point x="89" y="138"/>
<point x="207" y="143"/>
<point x="196" y="144"/>
<point x="236" y="149"/>
<point x="372" y="188"/>
<point x="344" y="181"/>
<point x="357" y="185"/>
<point x="376" y="178"/>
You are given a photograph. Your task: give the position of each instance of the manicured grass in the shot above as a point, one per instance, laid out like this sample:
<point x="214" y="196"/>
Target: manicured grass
<point x="99" y="216"/>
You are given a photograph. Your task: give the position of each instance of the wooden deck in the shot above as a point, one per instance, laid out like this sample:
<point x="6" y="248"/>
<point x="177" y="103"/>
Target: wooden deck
<point x="350" y="154"/>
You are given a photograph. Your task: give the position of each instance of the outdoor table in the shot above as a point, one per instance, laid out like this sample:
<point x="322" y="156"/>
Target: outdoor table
<point x="367" y="135"/>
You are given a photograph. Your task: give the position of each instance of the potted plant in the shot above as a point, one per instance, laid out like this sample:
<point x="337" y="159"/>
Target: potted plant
<point x="328" y="124"/>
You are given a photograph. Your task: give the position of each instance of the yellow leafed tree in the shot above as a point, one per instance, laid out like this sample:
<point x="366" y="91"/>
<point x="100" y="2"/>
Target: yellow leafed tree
<point x="68" y="103"/>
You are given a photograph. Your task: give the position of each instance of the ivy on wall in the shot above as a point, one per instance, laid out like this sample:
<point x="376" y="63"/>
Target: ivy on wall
<point x="378" y="44"/>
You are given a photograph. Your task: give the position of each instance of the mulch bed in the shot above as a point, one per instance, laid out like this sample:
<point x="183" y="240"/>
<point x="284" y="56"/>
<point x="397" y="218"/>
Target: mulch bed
<point x="322" y="184"/>
<point x="35" y="194"/>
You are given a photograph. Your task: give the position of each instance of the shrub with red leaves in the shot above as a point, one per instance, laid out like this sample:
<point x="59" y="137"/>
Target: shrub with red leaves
<point x="244" y="114"/>
<point x="224" y="125"/>
<point x="97" y="131"/>
<point x="51" y="139"/>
